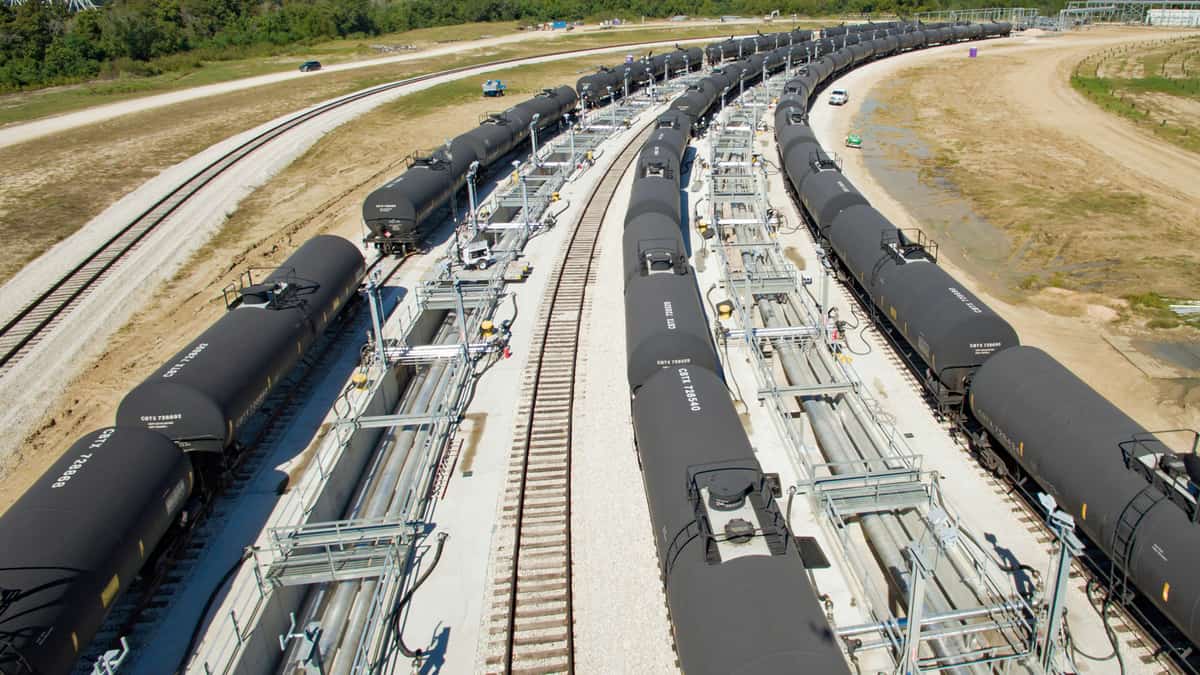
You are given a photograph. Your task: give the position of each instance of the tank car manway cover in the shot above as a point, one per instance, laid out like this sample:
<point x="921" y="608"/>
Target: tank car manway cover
<point x="726" y="502"/>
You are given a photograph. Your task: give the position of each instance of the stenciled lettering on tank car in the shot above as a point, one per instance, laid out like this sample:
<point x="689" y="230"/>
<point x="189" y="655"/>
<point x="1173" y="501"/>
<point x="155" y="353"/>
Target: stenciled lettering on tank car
<point x="689" y="390"/>
<point x="188" y="358"/>
<point x="964" y="299"/>
<point x="984" y="348"/>
<point x="83" y="458"/>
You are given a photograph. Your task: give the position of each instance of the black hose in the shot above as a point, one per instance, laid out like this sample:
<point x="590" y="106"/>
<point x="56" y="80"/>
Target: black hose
<point x="862" y="333"/>
<point x="204" y="612"/>
<point x="394" y="620"/>
<point x="1108" y="631"/>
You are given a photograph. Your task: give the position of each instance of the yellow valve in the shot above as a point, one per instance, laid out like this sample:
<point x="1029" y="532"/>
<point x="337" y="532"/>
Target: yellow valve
<point x="487" y="328"/>
<point x="724" y="310"/>
<point x="359" y="379"/>
<point x="554" y="197"/>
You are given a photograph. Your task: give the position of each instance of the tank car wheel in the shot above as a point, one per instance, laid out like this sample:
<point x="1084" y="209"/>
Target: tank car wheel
<point x="992" y="462"/>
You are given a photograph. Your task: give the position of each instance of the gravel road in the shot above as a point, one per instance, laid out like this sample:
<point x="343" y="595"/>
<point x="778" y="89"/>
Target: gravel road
<point x="19" y="133"/>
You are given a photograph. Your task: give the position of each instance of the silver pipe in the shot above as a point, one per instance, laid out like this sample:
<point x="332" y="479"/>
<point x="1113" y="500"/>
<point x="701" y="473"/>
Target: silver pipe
<point x="354" y="599"/>
<point x="959" y="615"/>
<point x="833" y="442"/>
<point x="411" y="438"/>
<point x="337" y="608"/>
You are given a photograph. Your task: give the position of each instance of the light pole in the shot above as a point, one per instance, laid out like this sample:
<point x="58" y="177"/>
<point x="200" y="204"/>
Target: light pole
<point x="524" y="198"/>
<point x="533" y="136"/>
<point x="571" y="134"/>
<point x="472" y="171"/>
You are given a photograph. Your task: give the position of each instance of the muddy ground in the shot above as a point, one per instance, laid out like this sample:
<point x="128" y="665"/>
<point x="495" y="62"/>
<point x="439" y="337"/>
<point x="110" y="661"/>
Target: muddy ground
<point x="1068" y="220"/>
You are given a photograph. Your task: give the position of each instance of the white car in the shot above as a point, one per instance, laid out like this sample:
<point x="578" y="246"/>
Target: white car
<point x="839" y="97"/>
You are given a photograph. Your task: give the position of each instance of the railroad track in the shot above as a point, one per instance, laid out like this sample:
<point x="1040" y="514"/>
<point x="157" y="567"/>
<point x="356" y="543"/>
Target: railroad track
<point x="530" y="619"/>
<point x="1137" y="640"/>
<point x="33" y="322"/>
<point x="135" y="614"/>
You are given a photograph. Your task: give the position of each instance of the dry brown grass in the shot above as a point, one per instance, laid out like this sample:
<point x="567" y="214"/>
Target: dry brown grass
<point x="54" y="185"/>
<point x="321" y="192"/>
<point x="1074" y="218"/>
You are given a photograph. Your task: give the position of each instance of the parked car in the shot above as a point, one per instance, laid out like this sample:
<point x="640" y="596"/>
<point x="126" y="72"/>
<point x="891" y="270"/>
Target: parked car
<point x="310" y="66"/>
<point x="839" y="97"/>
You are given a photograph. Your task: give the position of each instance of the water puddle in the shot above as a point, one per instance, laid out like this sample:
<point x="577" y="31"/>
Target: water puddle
<point x="1183" y="355"/>
<point x="906" y="168"/>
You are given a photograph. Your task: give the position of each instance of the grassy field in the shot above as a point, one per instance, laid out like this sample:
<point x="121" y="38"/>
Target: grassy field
<point x="1156" y="85"/>
<point x="193" y="70"/>
<point x="198" y="72"/>
<point x="1073" y="218"/>
<point x="82" y="171"/>
<point x="321" y="192"/>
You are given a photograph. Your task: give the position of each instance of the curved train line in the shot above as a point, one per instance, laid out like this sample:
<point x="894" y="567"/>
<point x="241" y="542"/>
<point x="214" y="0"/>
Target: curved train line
<point x="24" y="330"/>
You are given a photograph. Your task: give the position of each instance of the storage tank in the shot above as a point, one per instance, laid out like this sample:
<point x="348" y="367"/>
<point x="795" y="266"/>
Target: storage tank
<point x="593" y="88"/>
<point x="1070" y="439"/>
<point x="667" y="141"/>
<point x="398" y="212"/>
<point x="856" y="235"/>
<point x="75" y="541"/>
<point x="203" y="395"/>
<point x="842" y="58"/>
<point x="794" y="103"/>
<point x="675" y="119"/>
<point x="491" y="140"/>
<point x="825" y="192"/>
<point x="799" y="158"/>
<point x="665" y="324"/>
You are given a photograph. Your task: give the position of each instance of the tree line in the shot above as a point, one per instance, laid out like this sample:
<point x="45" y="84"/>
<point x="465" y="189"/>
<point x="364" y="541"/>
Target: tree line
<point x="43" y="43"/>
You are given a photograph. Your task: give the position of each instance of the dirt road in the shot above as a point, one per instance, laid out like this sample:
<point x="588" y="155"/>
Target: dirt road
<point x="1035" y="117"/>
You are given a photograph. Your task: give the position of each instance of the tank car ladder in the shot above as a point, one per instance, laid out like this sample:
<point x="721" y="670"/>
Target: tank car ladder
<point x="1125" y="536"/>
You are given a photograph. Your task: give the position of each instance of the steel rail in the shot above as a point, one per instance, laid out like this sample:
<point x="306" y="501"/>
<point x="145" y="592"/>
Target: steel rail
<point x="33" y="322"/>
<point x="531" y="614"/>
